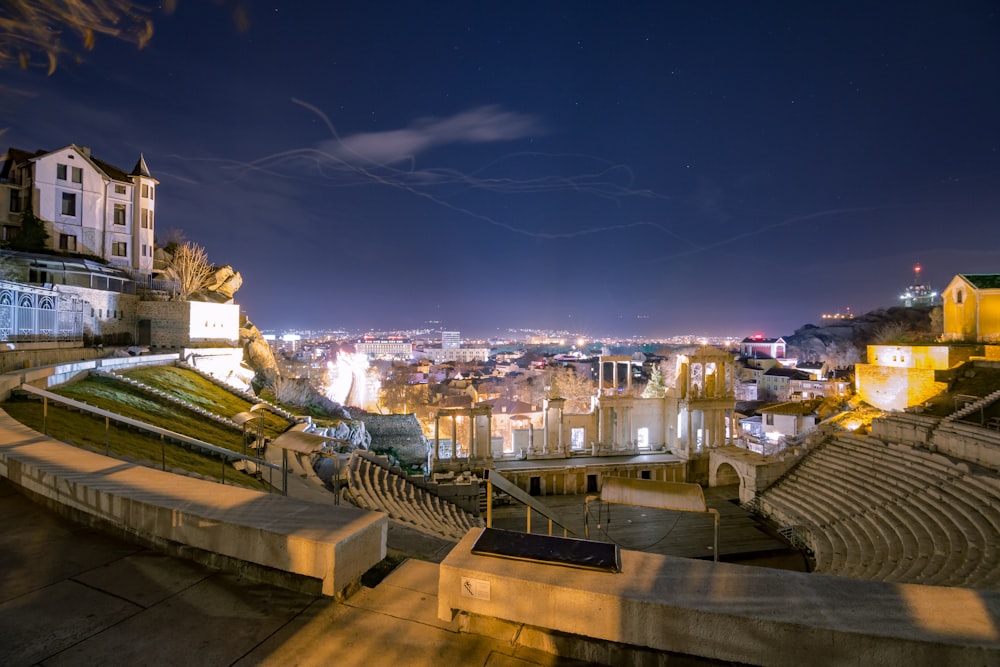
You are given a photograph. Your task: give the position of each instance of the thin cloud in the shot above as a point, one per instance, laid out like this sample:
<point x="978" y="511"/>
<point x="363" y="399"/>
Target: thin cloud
<point x="484" y="124"/>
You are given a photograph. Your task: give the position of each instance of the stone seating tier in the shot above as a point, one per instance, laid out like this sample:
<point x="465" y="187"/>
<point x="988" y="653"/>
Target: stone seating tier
<point x="373" y="484"/>
<point x="891" y="513"/>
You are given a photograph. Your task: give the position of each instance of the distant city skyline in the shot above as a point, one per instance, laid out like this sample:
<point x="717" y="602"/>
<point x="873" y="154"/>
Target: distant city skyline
<point x="646" y="170"/>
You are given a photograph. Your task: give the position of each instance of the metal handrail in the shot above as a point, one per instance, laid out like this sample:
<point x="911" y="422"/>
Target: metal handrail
<point x="225" y="454"/>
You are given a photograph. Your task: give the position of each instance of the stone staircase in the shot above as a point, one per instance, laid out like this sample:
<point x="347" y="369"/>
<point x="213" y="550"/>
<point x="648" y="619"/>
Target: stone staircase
<point x="970" y="408"/>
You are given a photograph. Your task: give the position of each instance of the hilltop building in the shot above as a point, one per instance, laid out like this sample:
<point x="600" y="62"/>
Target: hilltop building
<point x="972" y="307"/>
<point x="93" y="283"/>
<point x="897" y="377"/>
<point x="919" y="293"/>
<point x="89" y="207"/>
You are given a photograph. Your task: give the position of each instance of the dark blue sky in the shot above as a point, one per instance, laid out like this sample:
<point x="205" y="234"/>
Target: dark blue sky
<point x="615" y="168"/>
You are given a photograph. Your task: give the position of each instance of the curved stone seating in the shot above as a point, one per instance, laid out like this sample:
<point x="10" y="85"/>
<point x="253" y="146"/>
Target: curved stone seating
<point x="891" y="512"/>
<point x="373" y="485"/>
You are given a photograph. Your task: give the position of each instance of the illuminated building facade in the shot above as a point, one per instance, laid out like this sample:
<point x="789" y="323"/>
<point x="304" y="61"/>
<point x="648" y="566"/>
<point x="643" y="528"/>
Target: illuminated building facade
<point x="391" y="347"/>
<point x="89" y="207"/>
<point x="972" y="307"/>
<point x="758" y="346"/>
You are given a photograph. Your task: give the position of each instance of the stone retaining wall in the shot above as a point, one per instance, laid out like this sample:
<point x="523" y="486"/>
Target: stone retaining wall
<point x="269" y="537"/>
<point x="719" y="611"/>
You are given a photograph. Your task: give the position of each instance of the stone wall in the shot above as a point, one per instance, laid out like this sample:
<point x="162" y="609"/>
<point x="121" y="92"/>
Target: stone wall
<point x="889" y="388"/>
<point x="175" y="324"/>
<point x="573" y="479"/>
<point x="106" y="314"/>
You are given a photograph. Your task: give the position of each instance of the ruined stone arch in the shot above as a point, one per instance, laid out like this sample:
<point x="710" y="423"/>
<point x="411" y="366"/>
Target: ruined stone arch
<point x="725" y="474"/>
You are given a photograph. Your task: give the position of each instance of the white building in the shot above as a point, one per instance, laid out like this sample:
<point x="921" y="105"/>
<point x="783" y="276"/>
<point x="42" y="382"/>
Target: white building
<point x="88" y="206"/>
<point x="392" y="347"/>
<point x="451" y="339"/>
<point x="457" y="354"/>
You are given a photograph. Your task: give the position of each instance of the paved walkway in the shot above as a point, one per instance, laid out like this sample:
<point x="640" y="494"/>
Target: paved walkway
<point x="70" y="595"/>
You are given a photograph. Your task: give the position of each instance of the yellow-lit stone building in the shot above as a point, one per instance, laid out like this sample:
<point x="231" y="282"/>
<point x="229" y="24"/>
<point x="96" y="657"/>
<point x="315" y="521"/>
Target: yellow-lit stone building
<point x="972" y="307"/>
<point x="899" y="376"/>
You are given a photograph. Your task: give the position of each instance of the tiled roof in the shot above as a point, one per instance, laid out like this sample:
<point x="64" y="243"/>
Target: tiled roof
<point x="791" y="408"/>
<point x="791" y="373"/>
<point x="17" y="156"/>
<point x="116" y="173"/>
<point x="983" y="280"/>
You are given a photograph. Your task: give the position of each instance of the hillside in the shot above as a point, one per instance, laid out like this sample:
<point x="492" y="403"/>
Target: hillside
<point x="844" y="342"/>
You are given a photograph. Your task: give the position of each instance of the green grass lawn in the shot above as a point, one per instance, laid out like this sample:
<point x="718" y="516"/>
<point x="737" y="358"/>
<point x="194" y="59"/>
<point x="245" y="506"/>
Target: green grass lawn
<point x="192" y="387"/>
<point x="123" y="399"/>
<point x="84" y="430"/>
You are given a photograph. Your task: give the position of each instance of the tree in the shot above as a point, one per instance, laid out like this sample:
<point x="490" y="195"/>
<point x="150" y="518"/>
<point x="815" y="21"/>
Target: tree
<point x="399" y="394"/>
<point x="32" y="236"/>
<point x="190" y="263"/>
<point x="563" y="382"/>
<point x="656" y="387"/>
<point x="32" y="26"/>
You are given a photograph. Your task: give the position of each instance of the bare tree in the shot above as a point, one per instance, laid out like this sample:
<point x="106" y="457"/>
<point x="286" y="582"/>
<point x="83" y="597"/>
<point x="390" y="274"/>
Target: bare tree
<point x="28" y="27"/>
<point x="190" y="263"/>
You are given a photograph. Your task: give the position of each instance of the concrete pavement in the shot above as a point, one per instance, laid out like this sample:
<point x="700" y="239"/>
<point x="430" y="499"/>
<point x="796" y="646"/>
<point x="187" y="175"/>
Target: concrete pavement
<point x="71" y="595"/>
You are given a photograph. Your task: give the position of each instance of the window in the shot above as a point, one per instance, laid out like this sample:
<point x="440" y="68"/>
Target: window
<point x="769" y="420"/>
<point x="15" y="202"/>
<point x="151" y="192"/>
<point x="67" y="242"/>
<point x="642" y="438"/>
<point x="61" y="172"/>
<point x="144" y="246"/>
<point x="77" y="175"/>
<point x="119" y="189"/>
<point x="119" y="249"/>
<point x="145" y="191"/>
<point x="576" y="436"/>
<point x="69" y="203"/>
<point x="958" y="296"/>
<point x="144" y="222"/>
<point x="119" y="214"/>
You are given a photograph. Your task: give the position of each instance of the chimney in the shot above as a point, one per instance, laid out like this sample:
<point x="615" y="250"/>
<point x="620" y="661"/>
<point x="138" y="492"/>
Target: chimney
<point x="85" y="150"/>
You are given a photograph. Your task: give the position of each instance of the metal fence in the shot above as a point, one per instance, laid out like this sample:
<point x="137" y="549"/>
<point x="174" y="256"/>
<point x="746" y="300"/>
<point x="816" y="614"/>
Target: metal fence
<point x="30" y="314"/>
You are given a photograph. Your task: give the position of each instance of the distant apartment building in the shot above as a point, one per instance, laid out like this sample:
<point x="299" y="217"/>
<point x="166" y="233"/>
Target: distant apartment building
<point x="451" y="340"/>
<point x="775" y="384"/>
<point x="89" y="207"/>
<point x="457" y="354"/>
<point x="390" y="347"/>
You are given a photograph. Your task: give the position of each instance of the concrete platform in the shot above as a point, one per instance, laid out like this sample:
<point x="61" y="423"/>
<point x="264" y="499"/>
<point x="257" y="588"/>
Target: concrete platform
<point x="71" y="595"/>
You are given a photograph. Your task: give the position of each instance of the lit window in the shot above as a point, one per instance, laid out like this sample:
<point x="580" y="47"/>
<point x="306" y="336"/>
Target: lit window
<point x="119" y="249"/>
<point x="576" y="438"/>
<point x="119" y="214"/>
<point x="77" y="175"/>
<point x="67" y="242"/>
<point x="119" y="189"/>
<point x="69" y="203"/>
<point x="61" y="172"/>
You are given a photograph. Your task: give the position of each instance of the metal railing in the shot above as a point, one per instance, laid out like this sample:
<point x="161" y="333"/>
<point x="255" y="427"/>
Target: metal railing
<point x="166" y="435"/>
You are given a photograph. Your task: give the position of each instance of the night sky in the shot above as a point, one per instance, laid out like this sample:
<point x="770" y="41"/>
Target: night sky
<point x="609" y="168"/>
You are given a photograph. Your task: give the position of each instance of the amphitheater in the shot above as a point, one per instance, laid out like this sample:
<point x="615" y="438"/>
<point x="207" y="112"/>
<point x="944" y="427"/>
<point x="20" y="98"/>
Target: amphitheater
<point x="903" y="525"/>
